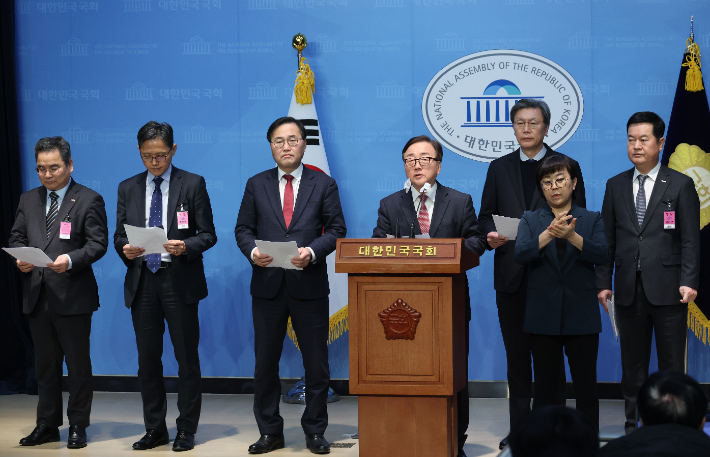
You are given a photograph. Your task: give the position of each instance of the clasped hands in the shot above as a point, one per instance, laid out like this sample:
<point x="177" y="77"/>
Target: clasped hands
<point x="174" y="247"/>
<point x="560" y="228"/>
<point x="60" y="265"/>
<point x="304" y="257"/>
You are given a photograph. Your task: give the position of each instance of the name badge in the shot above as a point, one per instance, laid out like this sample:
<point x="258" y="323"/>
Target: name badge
<point x="669" y="219"/>
<point x="182" y="220"/>
<point x="65" y="230"/>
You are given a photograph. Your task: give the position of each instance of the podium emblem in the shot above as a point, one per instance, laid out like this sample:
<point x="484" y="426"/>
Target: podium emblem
<point x="400" y="321"/>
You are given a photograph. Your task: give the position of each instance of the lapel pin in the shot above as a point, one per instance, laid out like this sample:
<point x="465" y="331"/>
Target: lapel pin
<point x="75" y="200"/>
<point x="662" y="180"/>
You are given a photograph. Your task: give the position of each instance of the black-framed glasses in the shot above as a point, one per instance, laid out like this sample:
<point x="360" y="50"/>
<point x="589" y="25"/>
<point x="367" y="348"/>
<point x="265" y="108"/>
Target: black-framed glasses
<point x="280" y="142"/>
<point x="559" y="183"/>
<point x="423" y="161"/>
<point x="159" y="158"/>
<point x="52" y="170"/>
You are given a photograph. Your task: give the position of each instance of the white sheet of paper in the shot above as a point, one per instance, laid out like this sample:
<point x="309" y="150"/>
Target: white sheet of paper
<point x="506" y="226"/>
<point x="35" y="256"/>
<point x="612" y="315"/>
<point x="151" y="239"/>
<point x="282" y="252"/>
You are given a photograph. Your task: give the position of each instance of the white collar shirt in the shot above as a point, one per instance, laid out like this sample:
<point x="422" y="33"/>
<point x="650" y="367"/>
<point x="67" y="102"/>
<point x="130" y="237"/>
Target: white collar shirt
<point x="647" y="184"/>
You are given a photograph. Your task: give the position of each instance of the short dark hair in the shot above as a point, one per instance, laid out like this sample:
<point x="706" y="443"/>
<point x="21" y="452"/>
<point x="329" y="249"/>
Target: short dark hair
<point x="50" y="143"/>
<point x="648" y="117"/>
<point x="553" y="164"/>
<point x="672" y="398"/>
<point x="554" y="431"/>
<point x="422" y="138"/>
<point x="154" y="129"/>
<point x="525" y="103"/>
<point x="285" y="120"/>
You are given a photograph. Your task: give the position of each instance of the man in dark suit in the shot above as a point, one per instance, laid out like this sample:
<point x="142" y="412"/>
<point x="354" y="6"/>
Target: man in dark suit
<point x="167" y="286"/>
<point x="652" y="219"/>
<point x="290" y="203"/>
<point x="510" y="190"/>
<point x="441" y="212"/>
<point x="68" y="222"/>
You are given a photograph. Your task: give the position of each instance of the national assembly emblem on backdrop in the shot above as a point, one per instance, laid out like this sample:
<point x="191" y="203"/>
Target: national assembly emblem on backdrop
<point x="466" y="105"/>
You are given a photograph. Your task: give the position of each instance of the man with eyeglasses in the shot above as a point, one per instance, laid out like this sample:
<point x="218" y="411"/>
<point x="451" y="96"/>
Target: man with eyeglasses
<point x="68" y="222"/>
<point x="426" y="207"/>
<point x="290" y="203"/>
<point x="167" y="286"/>
<point x="510" y="190"/>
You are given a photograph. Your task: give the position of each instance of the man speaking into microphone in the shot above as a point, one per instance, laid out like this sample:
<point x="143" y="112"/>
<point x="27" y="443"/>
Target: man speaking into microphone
<point x="425" y="207"/>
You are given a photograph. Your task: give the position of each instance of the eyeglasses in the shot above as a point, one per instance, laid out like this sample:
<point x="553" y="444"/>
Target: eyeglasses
<point x="423" y="161"/>
<point x="159" y="158"/>
<point x="520" y="125"/>
<point x="52" y="170"/>
<point x="559" y="183"/>
<point x="280" y="142"/>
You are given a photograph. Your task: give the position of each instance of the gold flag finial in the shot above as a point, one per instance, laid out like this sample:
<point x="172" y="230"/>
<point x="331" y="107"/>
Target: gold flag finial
<point x="305" y="80"/>
<point x="693" y="78"/>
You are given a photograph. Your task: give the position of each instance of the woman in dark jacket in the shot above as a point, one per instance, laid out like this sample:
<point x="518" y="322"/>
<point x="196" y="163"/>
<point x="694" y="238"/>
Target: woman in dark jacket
<point x="560" y="244"/>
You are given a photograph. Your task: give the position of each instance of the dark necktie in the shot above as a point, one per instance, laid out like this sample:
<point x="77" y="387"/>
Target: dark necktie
<point x="423" y="215"/>
<point x="155" y="219"/>
<point x="288" y="200"/>
<point x="640" y="210"/>
<point x="530" y="160"/>
<point x="52" y="213"/>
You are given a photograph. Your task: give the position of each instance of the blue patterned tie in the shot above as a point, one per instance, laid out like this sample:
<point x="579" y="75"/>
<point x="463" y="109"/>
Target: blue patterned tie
<point x="640" y="209"/>
<point x="155" y="219"/>
<point x="52" y="213"/>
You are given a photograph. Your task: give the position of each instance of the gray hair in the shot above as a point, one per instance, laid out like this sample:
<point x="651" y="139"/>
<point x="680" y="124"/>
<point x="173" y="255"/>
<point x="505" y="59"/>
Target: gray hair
<point x="525" y="103"/>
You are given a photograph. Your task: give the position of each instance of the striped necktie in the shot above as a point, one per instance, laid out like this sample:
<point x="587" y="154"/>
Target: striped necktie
<point x="52" y="213"/>
<point x="640" y="210"/>
<point x="423" y="215"/>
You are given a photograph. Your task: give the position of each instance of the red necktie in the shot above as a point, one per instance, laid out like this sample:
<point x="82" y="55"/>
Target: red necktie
<point x="423" y="216"/>
<point x="288" y="200"/>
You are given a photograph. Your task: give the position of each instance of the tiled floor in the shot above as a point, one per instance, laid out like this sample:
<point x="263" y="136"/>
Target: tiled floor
<point x="227" y="426"/>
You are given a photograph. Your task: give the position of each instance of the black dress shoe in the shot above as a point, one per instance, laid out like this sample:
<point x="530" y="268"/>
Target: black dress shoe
<point x="317" y="444"/>
<point x="43" y="433"/>
<point x="462" y="441"/>
<point x="151" y="439"/>
<point x="267" y="443"/>
<point x="77" y="437"/>
<point x="503" y="443"/>
<point x="184" y="441"/>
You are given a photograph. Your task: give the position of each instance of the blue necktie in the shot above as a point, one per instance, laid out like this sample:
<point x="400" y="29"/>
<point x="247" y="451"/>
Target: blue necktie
<point x="52" y="213"/>
<point x="155" y="219"/>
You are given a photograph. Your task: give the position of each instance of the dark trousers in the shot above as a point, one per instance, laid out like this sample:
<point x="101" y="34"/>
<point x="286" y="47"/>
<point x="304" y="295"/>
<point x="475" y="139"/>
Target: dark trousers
<point x="462" y="399"/>
<point x="637" y="323"/>
<point x="57" y="338"/>
<point x="310" y="322"/>
<point x="581" y="353"/>
<point x="156" y="302"/>
<point x="511" y="314"/>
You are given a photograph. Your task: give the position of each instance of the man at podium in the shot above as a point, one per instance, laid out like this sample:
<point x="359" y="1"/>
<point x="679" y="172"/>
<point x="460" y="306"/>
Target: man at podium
<point x="428" y="209"/>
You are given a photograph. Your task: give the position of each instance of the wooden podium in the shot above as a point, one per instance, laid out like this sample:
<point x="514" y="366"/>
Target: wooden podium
<point x="406" y="319"/>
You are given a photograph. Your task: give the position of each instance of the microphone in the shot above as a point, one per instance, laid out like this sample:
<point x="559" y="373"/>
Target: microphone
<point x="396" y="230"/>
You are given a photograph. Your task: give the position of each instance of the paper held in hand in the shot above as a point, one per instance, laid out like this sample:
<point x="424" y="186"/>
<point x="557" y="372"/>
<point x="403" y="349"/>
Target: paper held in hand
<point x="35" y="256"/>
<point x="612" y="315"/>
<point x="151" y="239"/>
<point x="282" y="252"/>
<point x="506" y="226"/>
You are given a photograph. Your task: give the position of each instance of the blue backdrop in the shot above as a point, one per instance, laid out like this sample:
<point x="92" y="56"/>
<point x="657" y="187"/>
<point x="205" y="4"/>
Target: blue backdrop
<point x="221" y="71"/>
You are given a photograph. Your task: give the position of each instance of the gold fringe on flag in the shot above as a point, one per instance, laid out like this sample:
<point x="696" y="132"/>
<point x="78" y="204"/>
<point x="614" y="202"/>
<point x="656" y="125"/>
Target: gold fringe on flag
<point x="306" y="83"/>
<point x="336" y="327"/>
<point x="698" y="323"/>
<point x="693" y="78"/>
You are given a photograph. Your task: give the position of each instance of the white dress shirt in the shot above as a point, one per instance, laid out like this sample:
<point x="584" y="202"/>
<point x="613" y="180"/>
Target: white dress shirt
<point x="647" y="184"/>
<point x="164" y="189"/>
<point x="60" y="198"/>
<point x="295" y="183"/>
<point x="538" y="157"/>
<point x="429" y="202"/>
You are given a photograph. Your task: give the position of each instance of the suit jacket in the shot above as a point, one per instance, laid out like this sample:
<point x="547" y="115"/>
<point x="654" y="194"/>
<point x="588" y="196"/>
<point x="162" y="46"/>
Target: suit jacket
<point x="662" y="440"/>
<point x="454" y="217"/>
<point x="503" y="195"/>
<point x="188" y="191"/>
<point x="317" y="223"/>
<point x="562" y="300"/>
<point x="74" y="291"/>
<point x="670" y="258"/>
